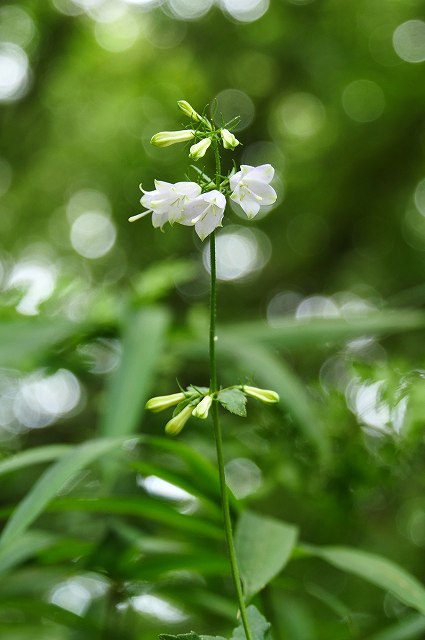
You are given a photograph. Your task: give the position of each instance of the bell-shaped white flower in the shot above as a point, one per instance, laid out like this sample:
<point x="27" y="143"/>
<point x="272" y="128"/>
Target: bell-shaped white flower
<point x="251" y="188"/>
<point x="167" y="202"/>
<point x="205" y="212"/>
<point x="167" y="138"/>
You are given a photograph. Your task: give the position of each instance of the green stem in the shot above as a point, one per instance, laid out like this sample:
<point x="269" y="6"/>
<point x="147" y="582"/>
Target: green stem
<point x="217" y="428"/>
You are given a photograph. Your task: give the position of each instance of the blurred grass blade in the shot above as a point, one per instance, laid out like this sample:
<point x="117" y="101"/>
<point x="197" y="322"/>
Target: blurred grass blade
<point x="23" y="340"/>
<point x="377" y="570"/>
<point x="24" y="547"/>
<point x="52" y="480"/>
<point x="149" y="509"/>
<point x="314" y="332"/>
<point x="37" y="455"/>
<point x="272" y="372"/>
<point x="263" y="547"/>
<point x="409" y="629"/>
<point x="131" y="383"/>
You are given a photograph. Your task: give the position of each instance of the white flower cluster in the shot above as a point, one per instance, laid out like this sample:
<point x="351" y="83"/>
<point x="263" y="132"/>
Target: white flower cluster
<point x="185" y="203"/>
<point x="200" y="205"/>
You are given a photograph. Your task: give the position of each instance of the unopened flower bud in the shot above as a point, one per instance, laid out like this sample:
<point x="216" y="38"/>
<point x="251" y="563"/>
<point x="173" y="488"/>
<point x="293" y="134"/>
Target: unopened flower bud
<point x="199" y="149"/>
<point x="201" y="409"/>
<point x="229" y="140"/>
<point x="159" y="403"/>
<point x="189" y="111"/>
<point x="265" y="395"/>
<point x="167" y="138"/>
<point x="176" y="424"/>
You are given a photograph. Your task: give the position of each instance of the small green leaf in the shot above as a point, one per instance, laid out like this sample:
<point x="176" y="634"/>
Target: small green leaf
<point x="263" y="547"/>
<point x="180" y="636"/>
<point x="377" y="570"/>
<point x="234" y="401"/>
<point x="257" y="623"/>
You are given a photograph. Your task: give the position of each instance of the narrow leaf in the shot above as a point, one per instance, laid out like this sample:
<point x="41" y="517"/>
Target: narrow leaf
<point x="272" y="372"/>
<point x="131" y="383"/>
<point x="257" y="623"/>
<point x="23" y="340"/>
<point x="377" y="570"/>
<point x="234" y="401"/>
<point x="263" y="547"/>
<point x="24" y="547"/>
<point x="29" y="457"/>
<point x="407" y="629"/>
<point x="180" y="636"/>
<point x="52" y="480"/>
<point x="315" y="332"/>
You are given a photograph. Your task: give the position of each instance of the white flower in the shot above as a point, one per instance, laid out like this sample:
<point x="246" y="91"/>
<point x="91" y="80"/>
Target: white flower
<point x="167" y="202"/>
<point x="167" y="138"/>
<point x="189" y="110"/>
<point x="229" y="140"/>
<point x="251" y="188"/>
<point x="205" y="212"/>
<point x="199" y="149"/>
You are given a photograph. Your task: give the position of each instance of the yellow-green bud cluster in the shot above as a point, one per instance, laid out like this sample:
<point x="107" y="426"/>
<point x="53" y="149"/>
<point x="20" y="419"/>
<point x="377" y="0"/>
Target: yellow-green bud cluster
<point x="205" y="129"/>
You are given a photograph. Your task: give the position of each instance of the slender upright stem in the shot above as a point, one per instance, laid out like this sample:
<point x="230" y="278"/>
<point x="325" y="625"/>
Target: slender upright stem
<point x="217" y="427"/>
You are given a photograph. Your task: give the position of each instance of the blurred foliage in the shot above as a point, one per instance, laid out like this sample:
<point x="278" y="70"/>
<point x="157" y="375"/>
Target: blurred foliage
<point x="114" y="530"/>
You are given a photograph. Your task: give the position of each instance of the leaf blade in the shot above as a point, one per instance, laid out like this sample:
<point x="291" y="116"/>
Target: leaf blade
<point x="263" y="547"/>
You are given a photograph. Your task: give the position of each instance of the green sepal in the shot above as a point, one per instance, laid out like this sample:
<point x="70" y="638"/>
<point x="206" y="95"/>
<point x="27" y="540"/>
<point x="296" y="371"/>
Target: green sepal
<point x="233" y="400"/>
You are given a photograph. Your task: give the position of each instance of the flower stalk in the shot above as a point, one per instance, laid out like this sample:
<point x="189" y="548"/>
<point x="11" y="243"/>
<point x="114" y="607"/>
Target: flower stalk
<point x="216" y="422"/>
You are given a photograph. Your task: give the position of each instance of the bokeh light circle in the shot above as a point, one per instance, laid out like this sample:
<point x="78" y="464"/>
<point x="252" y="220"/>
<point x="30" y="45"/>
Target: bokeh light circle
<point x="409" y="41"/>
<point x="246" y="10"/>
<point x="93" y="234"/>
<point x="13" y="72"/>
<point x="231" y="103"/>
<point x="363" y="100"/>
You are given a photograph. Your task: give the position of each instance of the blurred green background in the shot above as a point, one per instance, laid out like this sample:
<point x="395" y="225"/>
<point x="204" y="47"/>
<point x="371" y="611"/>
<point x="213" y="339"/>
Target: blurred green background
<point x="320" y="298"/>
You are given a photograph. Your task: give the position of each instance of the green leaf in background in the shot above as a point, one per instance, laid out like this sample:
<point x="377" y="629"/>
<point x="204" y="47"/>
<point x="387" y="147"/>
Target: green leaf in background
<point x="37" y="455"/>
<point x="180" y="636"/>
<point x="52" y="480"/>
<point x="316" y="332"/>
<point x="160" y="278"/>
<point x="24" y="340"/>
<point x="263" y="547"/>
<point x="24" y="547"/>
<point x="131" y="383"/>
<point x="377" y="570"/>
<point x="408" y="629"/>
<point x="234" y="401"/>
<point x="258" y="625"/>
<point x="272" y="372"/>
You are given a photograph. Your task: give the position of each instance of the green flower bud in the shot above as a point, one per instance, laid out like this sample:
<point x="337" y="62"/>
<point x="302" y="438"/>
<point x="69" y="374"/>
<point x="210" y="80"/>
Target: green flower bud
<point x="229" y="140"/>
<point x="167" y="138"/>
<point x="201" y="409"/>
<point x="176" y="424"/>
<point x="189" y="111"/>
<point x="265" y="395"/>
<point x="159" y="403"/>
<point x="199" y="149"/>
